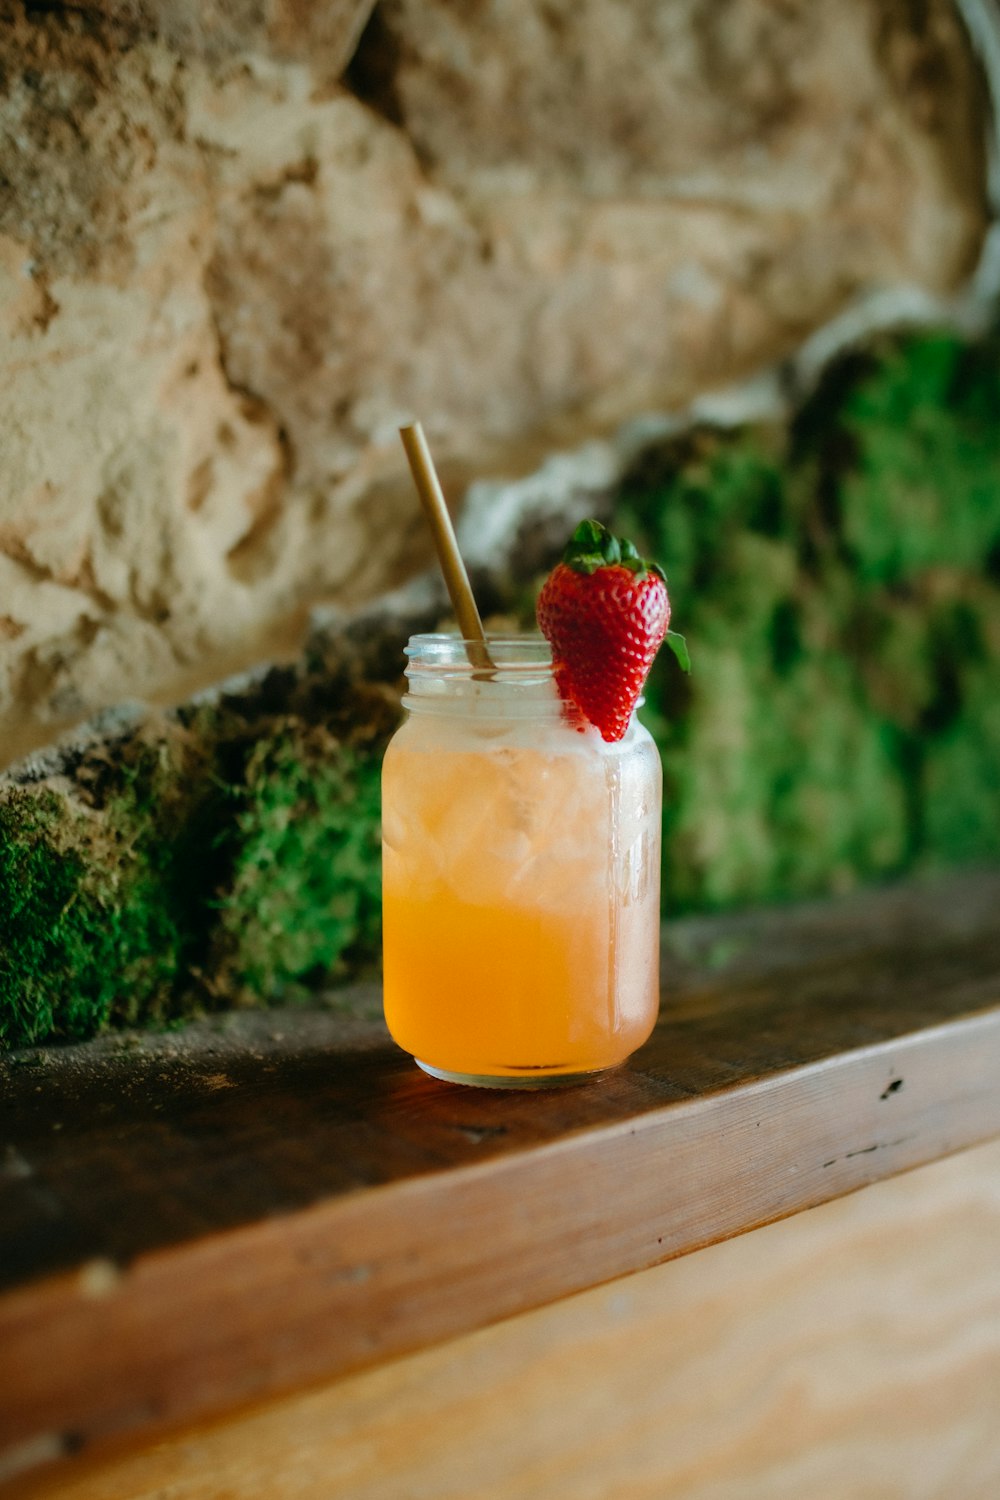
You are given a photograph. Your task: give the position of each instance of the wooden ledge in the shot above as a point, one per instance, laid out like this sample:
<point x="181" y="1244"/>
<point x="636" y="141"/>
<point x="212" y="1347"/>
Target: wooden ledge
<point x="196" y="1221"/>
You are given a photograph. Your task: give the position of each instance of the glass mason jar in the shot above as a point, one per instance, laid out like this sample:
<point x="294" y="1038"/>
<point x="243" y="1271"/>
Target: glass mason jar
<point x="521" y="874"/>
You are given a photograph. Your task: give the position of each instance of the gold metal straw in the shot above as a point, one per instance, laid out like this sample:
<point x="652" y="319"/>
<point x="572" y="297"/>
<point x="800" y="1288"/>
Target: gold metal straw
<point x="452" y="566"/>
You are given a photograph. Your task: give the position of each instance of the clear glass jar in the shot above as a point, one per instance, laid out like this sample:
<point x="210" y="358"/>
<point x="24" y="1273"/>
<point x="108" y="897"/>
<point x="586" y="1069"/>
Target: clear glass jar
<point x="521" y="874"/>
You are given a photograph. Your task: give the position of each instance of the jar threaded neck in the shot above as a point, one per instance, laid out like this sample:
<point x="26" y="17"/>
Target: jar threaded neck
<point x="441" y="677"/>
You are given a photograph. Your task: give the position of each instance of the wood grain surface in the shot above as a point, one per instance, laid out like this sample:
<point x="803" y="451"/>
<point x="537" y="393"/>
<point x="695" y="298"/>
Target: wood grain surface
<point x="849" y="1353"/>
<point x="192" y="1222"/>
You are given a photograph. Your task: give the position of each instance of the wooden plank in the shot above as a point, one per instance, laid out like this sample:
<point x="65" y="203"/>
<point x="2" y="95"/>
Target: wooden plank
<point x="224" y="1215"/>
<point x="854" y="1349"/>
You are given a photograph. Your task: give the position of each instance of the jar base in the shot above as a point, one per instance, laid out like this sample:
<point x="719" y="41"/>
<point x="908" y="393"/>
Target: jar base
<point x="535" y="1080"/>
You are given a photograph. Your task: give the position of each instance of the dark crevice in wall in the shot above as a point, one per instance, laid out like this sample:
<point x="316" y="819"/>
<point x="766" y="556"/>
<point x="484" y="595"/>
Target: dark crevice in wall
<point x="371" y="74"/>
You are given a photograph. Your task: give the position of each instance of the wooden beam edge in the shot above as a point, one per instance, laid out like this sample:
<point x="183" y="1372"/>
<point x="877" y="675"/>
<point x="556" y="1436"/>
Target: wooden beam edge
<point x="111" y="1354"/>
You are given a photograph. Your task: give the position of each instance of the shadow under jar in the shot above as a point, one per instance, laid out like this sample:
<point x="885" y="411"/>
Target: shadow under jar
<point x="521" y="874"/>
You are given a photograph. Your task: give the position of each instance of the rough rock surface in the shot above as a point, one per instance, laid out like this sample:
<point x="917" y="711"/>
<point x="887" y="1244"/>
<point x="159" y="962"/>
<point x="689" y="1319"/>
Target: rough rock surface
<point x="240" y="241"/>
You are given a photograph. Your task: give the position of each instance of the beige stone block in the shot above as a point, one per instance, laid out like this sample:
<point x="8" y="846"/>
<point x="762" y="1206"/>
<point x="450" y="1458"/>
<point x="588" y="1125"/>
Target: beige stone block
<point x="226" y="277"/>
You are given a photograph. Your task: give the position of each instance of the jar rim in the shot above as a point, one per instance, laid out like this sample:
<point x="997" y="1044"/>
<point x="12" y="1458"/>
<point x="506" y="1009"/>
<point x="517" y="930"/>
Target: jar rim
<point x="442" y="678"/>
<point x="444" y="649"/>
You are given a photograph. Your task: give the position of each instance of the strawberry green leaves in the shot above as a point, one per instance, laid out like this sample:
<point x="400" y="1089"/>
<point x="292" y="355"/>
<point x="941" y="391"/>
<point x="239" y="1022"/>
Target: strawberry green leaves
<point x="593" y="546"/>
<point x="678" y="645"/>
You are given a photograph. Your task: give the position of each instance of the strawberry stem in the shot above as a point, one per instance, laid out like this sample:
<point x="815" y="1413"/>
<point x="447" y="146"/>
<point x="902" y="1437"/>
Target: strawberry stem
<point x="593" y="546"/>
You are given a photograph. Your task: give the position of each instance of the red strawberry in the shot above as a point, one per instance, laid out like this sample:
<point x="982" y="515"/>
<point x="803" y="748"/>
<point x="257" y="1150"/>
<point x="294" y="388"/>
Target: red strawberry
<point x="605" y="612"/>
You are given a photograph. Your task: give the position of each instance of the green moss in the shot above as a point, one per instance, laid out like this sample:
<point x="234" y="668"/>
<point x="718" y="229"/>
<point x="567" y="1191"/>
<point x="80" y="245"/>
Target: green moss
<point x="758" y="798"/>
<point x="835" y="583"/>
<point x="303" y="902"/>
<point x="961" y="781"/>
<point x="225" y="861"/>
<point x="104" y="893"/>
<point x="47" y="938"/>
<point x="922" y="492"/>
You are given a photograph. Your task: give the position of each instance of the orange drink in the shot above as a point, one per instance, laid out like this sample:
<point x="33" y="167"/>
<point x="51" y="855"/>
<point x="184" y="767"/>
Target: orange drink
<point x="521" y="858"/>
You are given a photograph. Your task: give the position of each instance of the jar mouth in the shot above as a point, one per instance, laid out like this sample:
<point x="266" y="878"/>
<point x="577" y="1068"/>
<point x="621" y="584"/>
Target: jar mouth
<point x="450" y="651"/>
<point x="441" y="677"/>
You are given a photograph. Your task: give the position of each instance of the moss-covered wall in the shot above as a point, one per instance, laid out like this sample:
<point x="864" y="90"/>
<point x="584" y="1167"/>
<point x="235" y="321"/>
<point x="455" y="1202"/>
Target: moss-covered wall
<point x="838" y="579"/>
<point x="227" y="855"/>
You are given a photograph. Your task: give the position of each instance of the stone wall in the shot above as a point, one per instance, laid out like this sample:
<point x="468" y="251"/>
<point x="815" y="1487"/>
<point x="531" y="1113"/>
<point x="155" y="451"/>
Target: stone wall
<point x="239" y="242"/>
